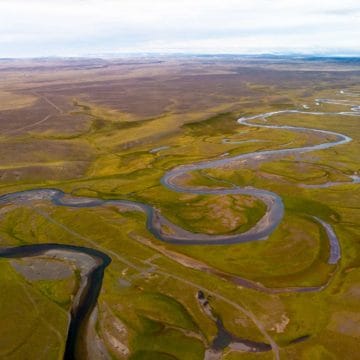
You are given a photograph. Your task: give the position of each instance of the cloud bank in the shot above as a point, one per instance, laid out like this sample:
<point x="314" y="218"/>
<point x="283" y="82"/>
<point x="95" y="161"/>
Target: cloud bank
<point x="83" y="27"/>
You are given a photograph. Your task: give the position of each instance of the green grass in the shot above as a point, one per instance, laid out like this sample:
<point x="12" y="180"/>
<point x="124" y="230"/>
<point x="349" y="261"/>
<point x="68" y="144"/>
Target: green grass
<point x="58" y="291"/>
<point x="29" y="319"/>
<point x="160" y="312"/>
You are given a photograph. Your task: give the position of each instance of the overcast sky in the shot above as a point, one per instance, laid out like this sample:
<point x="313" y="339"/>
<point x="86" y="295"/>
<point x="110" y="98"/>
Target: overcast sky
<point x="83" y="27"/>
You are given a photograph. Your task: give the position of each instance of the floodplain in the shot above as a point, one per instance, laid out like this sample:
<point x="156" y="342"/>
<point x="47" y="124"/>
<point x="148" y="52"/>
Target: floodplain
<point x="91" y="149"/>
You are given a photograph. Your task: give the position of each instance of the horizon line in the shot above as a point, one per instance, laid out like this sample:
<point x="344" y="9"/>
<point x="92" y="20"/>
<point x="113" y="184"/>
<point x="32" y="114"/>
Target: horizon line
<point x="169" y="54"/>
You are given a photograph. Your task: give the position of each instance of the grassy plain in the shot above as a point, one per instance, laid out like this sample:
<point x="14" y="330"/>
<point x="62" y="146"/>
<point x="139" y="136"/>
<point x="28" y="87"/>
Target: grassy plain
<point x="111" y="129"/>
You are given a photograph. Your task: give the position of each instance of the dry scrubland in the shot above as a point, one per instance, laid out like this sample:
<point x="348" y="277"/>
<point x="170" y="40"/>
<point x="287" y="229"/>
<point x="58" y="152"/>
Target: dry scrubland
<point x="111" y="129"/>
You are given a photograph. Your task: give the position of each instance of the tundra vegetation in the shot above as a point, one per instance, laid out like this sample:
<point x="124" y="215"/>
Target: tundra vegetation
<point x="111" y="129"/>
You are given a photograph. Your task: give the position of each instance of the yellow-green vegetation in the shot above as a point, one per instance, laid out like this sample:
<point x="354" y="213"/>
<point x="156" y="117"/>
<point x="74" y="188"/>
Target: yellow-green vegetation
<point x="58" y="291"/>
<point x="31" y="319"/>
<point x="148" y="306"/>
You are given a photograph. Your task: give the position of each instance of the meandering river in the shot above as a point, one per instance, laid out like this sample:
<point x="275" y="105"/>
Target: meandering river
<point x="155" y="222"/>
